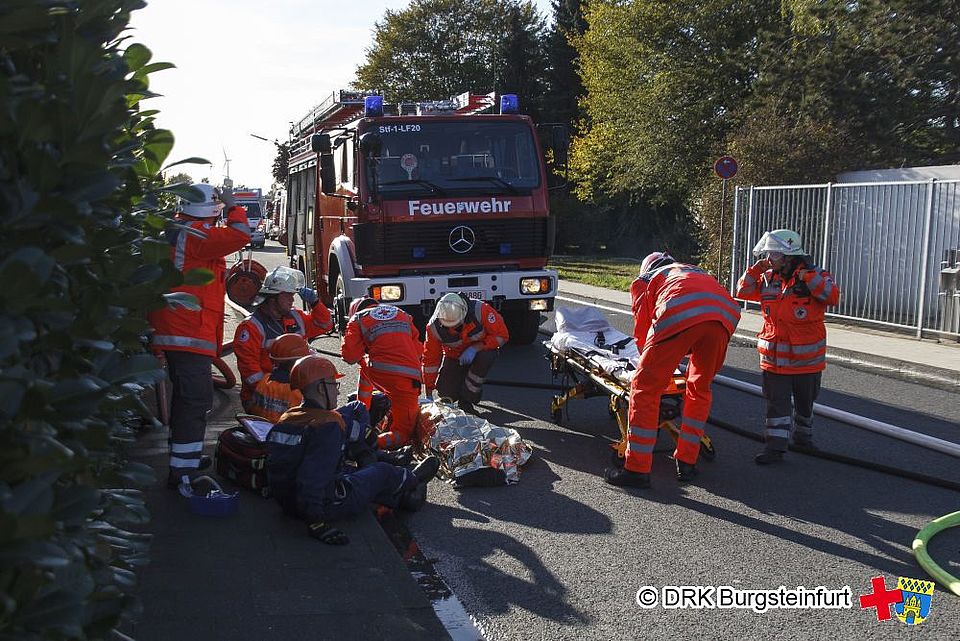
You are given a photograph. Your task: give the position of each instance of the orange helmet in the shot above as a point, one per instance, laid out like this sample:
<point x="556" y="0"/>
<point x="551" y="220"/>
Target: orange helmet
<point x="289" y="347"/>
<point x="360" y="304"/>
<point x="310" y="369"/>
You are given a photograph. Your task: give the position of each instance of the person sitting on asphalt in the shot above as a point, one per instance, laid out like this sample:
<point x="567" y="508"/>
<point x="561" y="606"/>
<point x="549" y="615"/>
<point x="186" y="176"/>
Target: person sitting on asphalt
<point x="467" y="335"/>
<point x="275" y="315"/>
<point x="678" y="310"/>
<point x="793" y="294"/>
<point x="305" y="458"/>
<point x="386" y="343"/>
<point x="273" y="395"/>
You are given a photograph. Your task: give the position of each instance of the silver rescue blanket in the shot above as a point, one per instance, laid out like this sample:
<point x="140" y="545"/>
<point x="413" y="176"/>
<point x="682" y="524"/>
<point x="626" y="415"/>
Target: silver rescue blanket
<point x="466" y="443"/>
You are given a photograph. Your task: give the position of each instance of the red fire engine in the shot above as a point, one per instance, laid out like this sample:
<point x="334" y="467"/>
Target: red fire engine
<point x="407" y="202"/>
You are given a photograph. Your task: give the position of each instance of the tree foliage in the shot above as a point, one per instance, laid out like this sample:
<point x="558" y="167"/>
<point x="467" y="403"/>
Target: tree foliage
<point x="281" y="162"/>
<point x="80" y="262"/>
<point x="434" y="49"/>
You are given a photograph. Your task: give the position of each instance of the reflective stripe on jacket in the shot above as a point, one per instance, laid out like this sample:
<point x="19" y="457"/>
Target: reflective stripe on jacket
<point x="483" y="328"/>
<point x="388" y="337"/>
<point x="793" y="339"/>
<point x="199" y="244"/>
<point x="677" y="296"/>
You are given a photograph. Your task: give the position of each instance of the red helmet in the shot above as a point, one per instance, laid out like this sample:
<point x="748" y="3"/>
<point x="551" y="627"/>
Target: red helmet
<point x="289" y="347"/>
<point x="361" y="303"/>
<point x="310" y="369"/>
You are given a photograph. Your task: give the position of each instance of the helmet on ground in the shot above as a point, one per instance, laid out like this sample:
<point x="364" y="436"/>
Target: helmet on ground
<point x="655" y="260"/>
<point x="451" y="310"/>
<point x="782" y="241"/>
<point x="283" y="280"/>
<point x="311" y="369"/>
<point x="209" y="207"/>
<point x="360" y="304"/>
<point x="289" y="347"/>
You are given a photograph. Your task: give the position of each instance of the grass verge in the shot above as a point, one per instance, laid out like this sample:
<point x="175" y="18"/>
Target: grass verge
<point x="612" y="273"/>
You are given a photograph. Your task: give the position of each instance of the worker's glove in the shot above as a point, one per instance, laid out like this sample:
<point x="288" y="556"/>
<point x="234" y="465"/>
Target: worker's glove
<point x="468" y="355"/>
<point x="327" y="534"/>
<point x="308" y="295"/>
<point x="226" y="197"/>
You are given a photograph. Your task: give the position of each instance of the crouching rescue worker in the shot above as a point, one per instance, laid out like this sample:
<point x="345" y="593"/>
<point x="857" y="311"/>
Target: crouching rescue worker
<point x="273" y="395"/>
<point x="275" y="315"/>
<point x="463" y="339"/>
<point x="678" y="310"/>
<point x="189" y="339"/>
<point x="305" y="458"/>
<point x="386" y="343"/>
<point x="793" y="294"/>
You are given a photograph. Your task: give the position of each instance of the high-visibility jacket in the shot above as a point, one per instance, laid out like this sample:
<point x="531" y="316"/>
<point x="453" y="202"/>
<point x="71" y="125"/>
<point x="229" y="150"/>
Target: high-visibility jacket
<point x="273" y="396"/>
<point x="793" y="339"/>
<point x="670" y="299"/>
<point x="256" y="333"/>
<point x="388" y="337"/>
<point x="204" y="245"/>
<point x="483" y="328"/>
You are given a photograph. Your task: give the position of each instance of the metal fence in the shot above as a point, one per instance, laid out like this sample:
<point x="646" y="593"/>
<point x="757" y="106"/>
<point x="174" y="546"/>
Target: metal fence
<point x="893" y="247"/>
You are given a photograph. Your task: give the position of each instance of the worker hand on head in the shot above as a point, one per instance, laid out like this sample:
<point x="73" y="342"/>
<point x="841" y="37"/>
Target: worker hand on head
<point x="308" y="295"/>
<point x="226" y="196"/>
<point x="468" y="355"/>
<point x="327" y="534"/>
<point x="763" y="264"/>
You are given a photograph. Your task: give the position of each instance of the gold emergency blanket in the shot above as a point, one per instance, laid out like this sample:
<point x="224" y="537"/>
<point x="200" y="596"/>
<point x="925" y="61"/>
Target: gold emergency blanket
<point x="467" y="443"/>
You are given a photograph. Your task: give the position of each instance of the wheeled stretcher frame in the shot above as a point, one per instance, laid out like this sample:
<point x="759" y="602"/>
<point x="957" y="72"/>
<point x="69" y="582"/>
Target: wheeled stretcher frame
<point x="590" y="380"/>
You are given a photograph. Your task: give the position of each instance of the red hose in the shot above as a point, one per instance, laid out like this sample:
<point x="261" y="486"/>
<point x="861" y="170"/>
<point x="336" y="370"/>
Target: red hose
<point x="228" y="380"/>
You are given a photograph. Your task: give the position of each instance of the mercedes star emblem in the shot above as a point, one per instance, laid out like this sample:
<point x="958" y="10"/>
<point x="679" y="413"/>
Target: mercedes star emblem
<point x="462" y="239"/>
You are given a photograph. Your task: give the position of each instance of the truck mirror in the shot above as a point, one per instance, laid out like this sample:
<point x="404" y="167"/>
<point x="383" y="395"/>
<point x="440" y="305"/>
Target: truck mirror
<point x="371" y="145"/>
<point x="328" y="180"/>
<point x="320" y="143"/>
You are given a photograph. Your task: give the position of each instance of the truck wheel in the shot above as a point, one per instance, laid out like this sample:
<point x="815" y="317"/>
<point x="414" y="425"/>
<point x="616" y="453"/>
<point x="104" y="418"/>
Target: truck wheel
<point x="341" y="304"/>
<point x="522" y="325"/>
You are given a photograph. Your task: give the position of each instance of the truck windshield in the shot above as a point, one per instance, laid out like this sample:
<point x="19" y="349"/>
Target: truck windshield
<point x="253" y="209"/>
<point x="456" y="156"/>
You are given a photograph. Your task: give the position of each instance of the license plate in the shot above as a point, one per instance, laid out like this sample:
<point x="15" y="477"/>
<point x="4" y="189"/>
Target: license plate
<point x="473" y="294"/>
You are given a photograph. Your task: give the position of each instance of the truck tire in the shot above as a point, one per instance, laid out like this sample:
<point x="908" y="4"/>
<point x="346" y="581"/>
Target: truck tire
<point x="523" y="326"/>
<point x="341" y="304"/>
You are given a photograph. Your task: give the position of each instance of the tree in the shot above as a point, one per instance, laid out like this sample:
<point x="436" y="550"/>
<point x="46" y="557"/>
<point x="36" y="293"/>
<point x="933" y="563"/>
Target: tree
<point x="81" y="261"/>
<point x="436" y="49"/>
<point x="564" y="87"/>
<point x="281" y="162"/>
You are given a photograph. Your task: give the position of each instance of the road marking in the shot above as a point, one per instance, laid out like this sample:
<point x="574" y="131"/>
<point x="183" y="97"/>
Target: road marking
<point x="594" y="304"/>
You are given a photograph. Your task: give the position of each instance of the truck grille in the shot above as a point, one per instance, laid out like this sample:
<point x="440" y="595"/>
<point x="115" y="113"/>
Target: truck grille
<point x="439" y="242"/>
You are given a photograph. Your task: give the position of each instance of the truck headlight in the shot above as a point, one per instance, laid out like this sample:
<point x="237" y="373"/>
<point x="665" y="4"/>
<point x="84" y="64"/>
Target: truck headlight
<point x="531" y="286"/>
<point x="387" y="293"/>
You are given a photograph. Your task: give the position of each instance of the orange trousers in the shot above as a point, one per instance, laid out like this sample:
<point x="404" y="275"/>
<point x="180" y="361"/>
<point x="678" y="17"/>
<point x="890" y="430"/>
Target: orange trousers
<point x="707" y="345"/>
<point x="404" y="394"/>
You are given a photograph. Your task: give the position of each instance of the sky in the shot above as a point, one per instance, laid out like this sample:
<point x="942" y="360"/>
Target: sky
<point x="245" y="67"/>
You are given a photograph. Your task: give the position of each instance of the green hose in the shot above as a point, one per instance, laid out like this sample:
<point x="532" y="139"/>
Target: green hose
<point x="933" y="528"/>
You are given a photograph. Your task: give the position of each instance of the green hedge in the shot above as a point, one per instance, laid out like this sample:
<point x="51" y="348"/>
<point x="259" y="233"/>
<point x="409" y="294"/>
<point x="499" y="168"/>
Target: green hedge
<point x="80" y="263"/>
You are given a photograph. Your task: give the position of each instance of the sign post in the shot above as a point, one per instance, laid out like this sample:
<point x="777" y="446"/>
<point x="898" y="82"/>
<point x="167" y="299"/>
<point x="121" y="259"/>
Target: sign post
<point x="725" y="168"/>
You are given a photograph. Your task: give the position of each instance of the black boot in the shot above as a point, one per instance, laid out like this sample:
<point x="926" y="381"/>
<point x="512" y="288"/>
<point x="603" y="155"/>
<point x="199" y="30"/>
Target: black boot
<point x="427" y="469"/>
<point x="173" y="480"/>
<point x="766" y="457"/>
<point x="622" y="477"/>
<point x="685" y="471"/>
<point x="400" y="457"/>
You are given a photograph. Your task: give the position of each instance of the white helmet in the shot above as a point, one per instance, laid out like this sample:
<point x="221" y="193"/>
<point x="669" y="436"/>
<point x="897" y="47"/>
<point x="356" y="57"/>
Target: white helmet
<point x="783" y="241"/>
<point x="282" y="280"/>
<point x="451" y="310"/>
<point x="654" y="260"/>
<point x="209" y="207"/>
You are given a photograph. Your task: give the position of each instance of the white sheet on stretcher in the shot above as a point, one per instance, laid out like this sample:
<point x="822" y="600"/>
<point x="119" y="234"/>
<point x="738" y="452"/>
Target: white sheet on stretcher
<point x="581" y="330"/>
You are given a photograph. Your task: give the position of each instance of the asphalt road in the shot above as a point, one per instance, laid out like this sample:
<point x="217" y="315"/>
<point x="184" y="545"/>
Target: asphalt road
<point x="561" y="555"/>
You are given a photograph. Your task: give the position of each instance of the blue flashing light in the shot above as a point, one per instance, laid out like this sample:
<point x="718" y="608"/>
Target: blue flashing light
<point x="419" y="252"/>
<point x="506" y="248"/>
<point x="373" y="106"/>
<point x="509" y="104"/>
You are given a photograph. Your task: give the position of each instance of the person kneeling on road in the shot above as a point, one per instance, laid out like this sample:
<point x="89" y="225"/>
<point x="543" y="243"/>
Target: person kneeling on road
<point x="467" y="335"/>
<point x="306" y="453"/>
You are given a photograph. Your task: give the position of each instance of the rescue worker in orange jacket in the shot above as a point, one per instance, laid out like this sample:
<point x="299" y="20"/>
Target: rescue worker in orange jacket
<point x="463" y="339"/>
<point x="386" y="343"/>
<point x="273" y="395"/>
<point x="189" y="339"/>
<point x="678" y="310"/>
<point x="793" y="294"/>
<point x="275" y="315"/>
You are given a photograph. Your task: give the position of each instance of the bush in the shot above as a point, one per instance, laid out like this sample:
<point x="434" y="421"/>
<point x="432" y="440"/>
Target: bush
<point x="81" y="262"/>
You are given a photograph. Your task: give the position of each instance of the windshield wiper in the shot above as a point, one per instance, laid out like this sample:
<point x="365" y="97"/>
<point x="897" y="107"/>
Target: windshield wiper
<point x="416" y="181"/>
<point x="494" y="179"/>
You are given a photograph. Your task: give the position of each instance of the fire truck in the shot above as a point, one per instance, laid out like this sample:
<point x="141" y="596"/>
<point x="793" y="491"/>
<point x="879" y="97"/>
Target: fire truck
<point x="407" y="202"/>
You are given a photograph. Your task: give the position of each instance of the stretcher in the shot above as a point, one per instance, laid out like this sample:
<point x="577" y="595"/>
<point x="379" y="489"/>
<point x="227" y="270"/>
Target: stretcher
<point x="592" y="359"/>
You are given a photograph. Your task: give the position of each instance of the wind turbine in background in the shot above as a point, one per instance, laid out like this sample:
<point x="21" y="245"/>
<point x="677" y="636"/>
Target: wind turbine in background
<point x="227" y="182"/>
